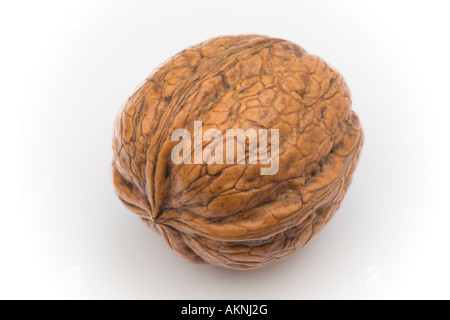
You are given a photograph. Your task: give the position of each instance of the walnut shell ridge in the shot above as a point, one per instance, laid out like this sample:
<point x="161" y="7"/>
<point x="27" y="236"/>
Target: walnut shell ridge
<point x="229" y="214"/>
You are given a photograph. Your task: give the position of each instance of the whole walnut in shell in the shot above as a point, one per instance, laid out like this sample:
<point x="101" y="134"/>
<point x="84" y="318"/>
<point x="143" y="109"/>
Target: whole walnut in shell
<point x="230" y="214"/>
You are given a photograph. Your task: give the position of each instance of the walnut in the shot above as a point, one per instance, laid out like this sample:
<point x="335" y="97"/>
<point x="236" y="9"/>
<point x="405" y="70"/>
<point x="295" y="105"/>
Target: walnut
<point x="230" y="214"/>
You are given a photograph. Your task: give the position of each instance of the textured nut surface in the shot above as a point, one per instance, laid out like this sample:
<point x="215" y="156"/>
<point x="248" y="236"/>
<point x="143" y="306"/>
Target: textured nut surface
<point x="230" y="214"/>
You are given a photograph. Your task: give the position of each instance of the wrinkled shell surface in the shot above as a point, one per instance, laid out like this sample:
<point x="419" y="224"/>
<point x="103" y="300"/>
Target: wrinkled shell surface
<point x="231" y="215"/>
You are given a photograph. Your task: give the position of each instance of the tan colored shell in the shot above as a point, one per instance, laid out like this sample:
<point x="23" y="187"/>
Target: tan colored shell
<point x="231" y="215"/>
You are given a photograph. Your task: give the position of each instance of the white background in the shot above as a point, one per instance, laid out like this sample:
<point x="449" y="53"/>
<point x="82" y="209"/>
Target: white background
<point x="66" y="67"/>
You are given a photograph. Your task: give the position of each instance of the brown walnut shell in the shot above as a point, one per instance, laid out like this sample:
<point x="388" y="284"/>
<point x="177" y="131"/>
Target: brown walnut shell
<point x="229" y="214"/>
